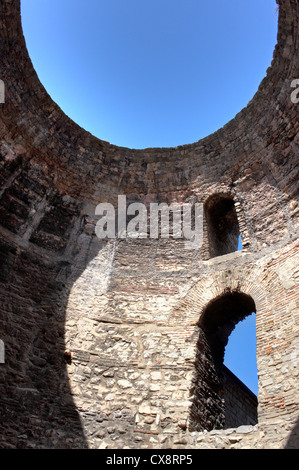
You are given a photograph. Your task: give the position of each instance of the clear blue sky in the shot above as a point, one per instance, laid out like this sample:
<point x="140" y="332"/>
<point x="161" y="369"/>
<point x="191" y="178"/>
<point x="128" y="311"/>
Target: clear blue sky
<point x="155" y="73"/>
<point x="240" y="352"/>
<point x="151" y="73"/>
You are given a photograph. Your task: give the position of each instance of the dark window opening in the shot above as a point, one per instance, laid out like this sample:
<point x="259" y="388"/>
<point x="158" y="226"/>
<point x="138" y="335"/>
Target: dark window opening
<point x="223" y="226"/>
<point x="220" y="399"/>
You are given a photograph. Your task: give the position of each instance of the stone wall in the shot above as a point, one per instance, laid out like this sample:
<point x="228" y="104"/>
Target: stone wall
<point x="112" y="343"/>
<point x="240" y="402"/>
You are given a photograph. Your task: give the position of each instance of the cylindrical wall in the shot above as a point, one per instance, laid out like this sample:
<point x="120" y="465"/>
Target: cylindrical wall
<point x="101" y="337"/>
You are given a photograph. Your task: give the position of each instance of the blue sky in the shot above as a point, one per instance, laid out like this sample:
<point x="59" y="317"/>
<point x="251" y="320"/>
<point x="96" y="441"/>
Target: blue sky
<point x="156" y="73"/>
<point x="151" y="73"/>
<point x="240" y="352"/>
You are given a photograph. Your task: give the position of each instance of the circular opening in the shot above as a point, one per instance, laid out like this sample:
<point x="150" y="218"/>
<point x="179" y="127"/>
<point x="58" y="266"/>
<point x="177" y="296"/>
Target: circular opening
<point x="150" y="73"/>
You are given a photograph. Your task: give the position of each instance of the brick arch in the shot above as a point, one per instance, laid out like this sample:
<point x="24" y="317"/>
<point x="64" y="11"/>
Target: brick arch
<point x="252" y="280"/>
<point x="260" y="287"/>
<point x="213" y="403"/>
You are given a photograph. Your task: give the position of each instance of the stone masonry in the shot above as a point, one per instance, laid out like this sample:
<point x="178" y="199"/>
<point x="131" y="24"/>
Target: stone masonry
<point x="119" y="343"/>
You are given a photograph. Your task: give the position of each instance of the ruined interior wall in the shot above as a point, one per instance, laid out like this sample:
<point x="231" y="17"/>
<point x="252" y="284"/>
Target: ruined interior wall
<point x="241" y="404"/>
<point x="101" y="337"/>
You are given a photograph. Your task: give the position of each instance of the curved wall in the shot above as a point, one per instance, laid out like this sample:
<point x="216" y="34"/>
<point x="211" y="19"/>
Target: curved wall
<point x="101" y="337"/>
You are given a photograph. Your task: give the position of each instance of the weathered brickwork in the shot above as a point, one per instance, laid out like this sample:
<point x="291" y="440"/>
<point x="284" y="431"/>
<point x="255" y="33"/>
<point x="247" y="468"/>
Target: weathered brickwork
<point x="240" y="403"/>
<point x="119" y="343"/>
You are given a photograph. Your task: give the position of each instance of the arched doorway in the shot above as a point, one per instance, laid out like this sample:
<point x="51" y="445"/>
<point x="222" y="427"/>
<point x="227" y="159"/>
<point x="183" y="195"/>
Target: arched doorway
<point x="214" y="405"/>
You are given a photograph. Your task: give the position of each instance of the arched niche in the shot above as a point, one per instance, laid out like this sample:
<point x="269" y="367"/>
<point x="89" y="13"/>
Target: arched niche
<point x="222" y="225"/>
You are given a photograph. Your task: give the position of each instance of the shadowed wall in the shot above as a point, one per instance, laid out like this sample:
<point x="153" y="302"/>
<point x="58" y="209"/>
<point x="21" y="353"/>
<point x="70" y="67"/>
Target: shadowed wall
<point x="101" y="337"/>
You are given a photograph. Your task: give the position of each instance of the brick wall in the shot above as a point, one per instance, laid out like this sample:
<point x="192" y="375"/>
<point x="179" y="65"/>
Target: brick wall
<point x="102" y="337"/>
<point x="240" y="403"/>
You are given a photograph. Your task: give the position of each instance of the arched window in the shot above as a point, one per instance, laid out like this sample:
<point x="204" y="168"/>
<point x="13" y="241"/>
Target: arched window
<point x="240" y="374"/>
<point x="240" y="352"/>
<point x="218" y="395"/>
<point x="222" y="225"/>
